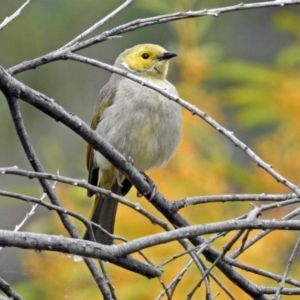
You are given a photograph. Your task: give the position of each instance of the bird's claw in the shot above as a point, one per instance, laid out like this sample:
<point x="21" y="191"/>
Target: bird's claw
<point x="119" y="180"/>
<point x="119" y="177"/>
<point x="129" y="159"/>
<point x="153" y="188"/>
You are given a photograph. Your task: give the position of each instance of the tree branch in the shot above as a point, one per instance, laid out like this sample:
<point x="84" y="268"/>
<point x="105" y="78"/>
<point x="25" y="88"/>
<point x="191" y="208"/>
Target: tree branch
<point x="14" y="15"/>
<point x="33" y="159"/>
<point x="139" y="23"/>
<point x="44" y="242"/>
<point x="99" y="24"/>
<point x="10" y="85"/>
<point x="6" y="288"/>
<point x="195" y="111"/>
<point x="181" y="203"/>
<point x="110" y="253"/>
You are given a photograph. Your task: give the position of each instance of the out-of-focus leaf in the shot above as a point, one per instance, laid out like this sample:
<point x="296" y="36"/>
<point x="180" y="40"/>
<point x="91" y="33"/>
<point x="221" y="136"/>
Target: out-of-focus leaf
<point x="289" y="57"/>
<point x="157" y="7"/>
<point x="240" y="177"/>
<point x="242" y="96"/>
<point x="287" y="21"/>
<point x="243" y="72"/>
<point x="256" y="117"/>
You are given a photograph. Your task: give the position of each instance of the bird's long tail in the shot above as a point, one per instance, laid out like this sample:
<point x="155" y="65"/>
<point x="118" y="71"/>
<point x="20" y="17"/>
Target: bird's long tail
<point x="104" y="211"/>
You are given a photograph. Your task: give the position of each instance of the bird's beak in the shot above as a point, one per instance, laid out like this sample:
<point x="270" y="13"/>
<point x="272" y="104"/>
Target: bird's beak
<point x="167" y="55"/>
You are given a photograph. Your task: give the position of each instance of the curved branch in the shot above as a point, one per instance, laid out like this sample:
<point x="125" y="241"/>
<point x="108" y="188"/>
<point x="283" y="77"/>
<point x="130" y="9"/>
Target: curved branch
<point x="181" y="203"/>
<point x="6" y="288"/>
<point x="80" y="183"/>
<point x="10" y="85"/>
<point x="14" y="15"/>
<point x="139" y="23"/>
<point x="85" y="248"/>
<point x="195" y="111"/>
<point x="36" y="165"/>
<point x="100" y="23"/>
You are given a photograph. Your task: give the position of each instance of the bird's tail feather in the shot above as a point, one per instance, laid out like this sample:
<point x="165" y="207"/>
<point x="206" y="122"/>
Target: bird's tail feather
<point x="103" y="213"/>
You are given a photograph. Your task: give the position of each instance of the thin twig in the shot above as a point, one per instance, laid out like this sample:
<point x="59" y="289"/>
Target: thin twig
<point x="106" y="278"/>
<point x="181" y="203"/>
<point x="195" y="111"/>
<point x="226" y="248"/>
<point x="30" y="213"/>
<point x="82" y="183"/>
<point x="32" y="210"/>
<point x="259" y="236"/>
<point x="196" y="251"/>
<point x="98" y="24"/>
<point x="33" y="159"/>
<point x="261" y="272"/>
<point x="6" y="288"/>
<point x="207" y="291"/>
<point x="139" y="23"/>
<point x="287" y="269"/>
<point x="78" y="246"/>
<point x="285" y="291"/>
<point x="14" y="15"/>
<point x="222" y="286"/>
<point x="50" y="206"/>
<point x="199" y="249"/>
<point x="9" y="85"/>
<point x="176" y="279"/>
<point x="277" y="3"/>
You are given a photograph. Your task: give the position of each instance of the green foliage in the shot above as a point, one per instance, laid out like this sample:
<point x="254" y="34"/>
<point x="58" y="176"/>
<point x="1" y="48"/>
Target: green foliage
<point x="287" y="21"/>
<point x="289" y="57"/>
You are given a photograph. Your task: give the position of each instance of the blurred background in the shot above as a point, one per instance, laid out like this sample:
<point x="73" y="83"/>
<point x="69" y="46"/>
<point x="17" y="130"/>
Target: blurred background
<point x="242" y="68"/>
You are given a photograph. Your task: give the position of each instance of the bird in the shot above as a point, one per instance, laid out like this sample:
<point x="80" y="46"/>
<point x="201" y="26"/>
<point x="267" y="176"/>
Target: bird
<point x="139" y="122"/>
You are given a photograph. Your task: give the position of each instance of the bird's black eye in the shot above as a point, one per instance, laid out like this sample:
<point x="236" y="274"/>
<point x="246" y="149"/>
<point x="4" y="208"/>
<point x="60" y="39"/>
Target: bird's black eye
<point x="145" y="55"/>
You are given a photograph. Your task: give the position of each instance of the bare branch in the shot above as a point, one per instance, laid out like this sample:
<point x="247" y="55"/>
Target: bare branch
<point x="285" y="291"/>
<point x="133" y="25"/>
<point x="110" y="253"/>
<point x="99" y="24"/>
<point x="14" y="15"/>
<point x="222" y="286"/>
<point x="194" y="111"/>
<point x="30" y="213"/>
<point x="287" y="269"/>
<point x="184" y="233"/>
<point x="226" y="248"/>
<point x="181" y="203"/>
<point x="264" y="273"/>
<point x="43" y="242"/>
<point x="60" y="209"/>
<point x="259" y="236"/>
<point x="34" y="161"/>
<point x="196" y="230"/>
<point x="6" y="288"/>
<point x="11" y="85"/>
<point x="82" y="183"/>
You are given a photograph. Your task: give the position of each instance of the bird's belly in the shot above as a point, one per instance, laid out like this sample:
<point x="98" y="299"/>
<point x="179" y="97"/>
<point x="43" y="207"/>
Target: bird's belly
<point x="149" y="136"/>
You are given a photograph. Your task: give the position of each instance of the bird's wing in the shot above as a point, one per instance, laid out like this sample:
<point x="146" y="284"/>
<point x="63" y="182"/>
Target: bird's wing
<point x="104" y="100"/>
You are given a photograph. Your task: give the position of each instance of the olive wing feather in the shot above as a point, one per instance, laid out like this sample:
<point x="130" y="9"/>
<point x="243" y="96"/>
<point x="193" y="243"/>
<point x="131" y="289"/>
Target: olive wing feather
<point x="104" y="100"/>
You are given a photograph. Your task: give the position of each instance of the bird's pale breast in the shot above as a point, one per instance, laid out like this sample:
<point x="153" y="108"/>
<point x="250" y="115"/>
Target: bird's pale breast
<point x="142" y="124"/>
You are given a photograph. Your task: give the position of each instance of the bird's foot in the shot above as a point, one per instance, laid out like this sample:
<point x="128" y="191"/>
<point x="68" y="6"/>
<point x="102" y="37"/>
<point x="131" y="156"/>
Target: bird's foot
<point x="120" y="175"/>
<point x="153" y="187"/>
<point x="129" y="159"/>
<point x="119" y="180"/>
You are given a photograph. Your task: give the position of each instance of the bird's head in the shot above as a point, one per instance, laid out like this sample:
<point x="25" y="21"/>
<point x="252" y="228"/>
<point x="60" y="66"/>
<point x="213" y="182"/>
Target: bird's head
<point x="147" y="60"/>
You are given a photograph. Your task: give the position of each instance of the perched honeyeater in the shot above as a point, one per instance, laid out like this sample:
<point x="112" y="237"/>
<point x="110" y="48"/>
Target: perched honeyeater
<point x="139" y="122"/>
